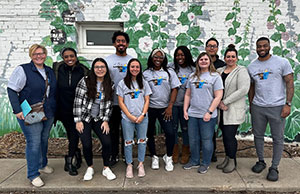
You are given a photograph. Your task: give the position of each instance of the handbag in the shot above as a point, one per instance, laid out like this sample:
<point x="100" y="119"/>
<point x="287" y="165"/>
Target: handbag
<point x="37" y="113"/>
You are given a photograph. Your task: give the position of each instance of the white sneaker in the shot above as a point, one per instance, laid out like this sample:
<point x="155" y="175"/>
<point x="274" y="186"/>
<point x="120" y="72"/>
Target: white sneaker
<point x="47" y="169"/>
<point x="169" y="163"/>
<point x="37" y="182"/>
<point x="88" y="174"/>
<point x="155" y="162"/>
<point x="108" y="174"/>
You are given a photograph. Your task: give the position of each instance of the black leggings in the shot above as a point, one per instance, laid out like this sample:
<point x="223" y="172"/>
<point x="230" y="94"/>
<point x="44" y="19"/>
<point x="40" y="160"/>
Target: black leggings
<point x="114" y="125"/>
<point x="72" y="134"/>
<point x="86" y="140"/>
<point x="167" y="126"/>
<point x="229" y="140"/>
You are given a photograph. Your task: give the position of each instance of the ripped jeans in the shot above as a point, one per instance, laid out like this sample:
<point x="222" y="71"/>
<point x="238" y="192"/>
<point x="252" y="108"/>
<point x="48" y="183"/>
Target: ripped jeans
<point x="128" y="128"/>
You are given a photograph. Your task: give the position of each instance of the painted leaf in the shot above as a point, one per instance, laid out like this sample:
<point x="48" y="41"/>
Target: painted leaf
<point x="164" y="35"/>
<point x="194" y="32"/>
<point x="163" y="24"/>
<point x="139" y="34"/>
<point x="183" y="39"/>
<point x="281" y="28"/>
<point x="244" y="52"/>
<point x="154" y="35"/>
<point x="153" y="8"/>
<point x="183" y="18"/>
<point x="277" y="51"/>
<point x="69" y="30"/>
<point x="195" y="52"/>
<point x="238" y="39"/>
<point x="296" y="98"/>
<point x="196" y="9"/>
<point x="277" y="12"/>
<point x="163" y="43"/>
<point x="147" y="27"/>
<point x="144" y="18"/>
<point x="236" y="24"/>
<point x="196" y="43"/>
<point x="271" y="18"/>
<point x="298" y="57"/>
<point x="160" y="1"/>
<point x="298" y="37"/>
<point x="285" y="52"/>
<point x="292" y="62"/>
<point x="123" y="1"/>
<point x="133" y="19"/>
<point x="154" y="27"/>
<point x="46" y="41"/>
<point x="231" y="31"/>
<point x="292" y="125"/>
<point x="276" y="36"/>
<point x="154" y="18"/>
<point x="58" y="47"/>
<point x="290" y="44"/>
<point x="57" y="23"/>
<point x="155" y="45"/>
<point x="49" y="61"/>
<point x="115" y="12"/>
<point x="229" y="16"/>
<point x="62" y="6"/>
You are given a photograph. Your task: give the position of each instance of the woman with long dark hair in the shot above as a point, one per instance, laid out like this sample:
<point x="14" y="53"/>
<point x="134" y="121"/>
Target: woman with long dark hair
<point x="232" y="108"/>
<point x="164" y="84"/>
<point x="183" y="66"/>
<point x="92" y="110"/>
<point x="133" y="93"/>
<point x="203" y="95"/>
<point x="68" y="73"/>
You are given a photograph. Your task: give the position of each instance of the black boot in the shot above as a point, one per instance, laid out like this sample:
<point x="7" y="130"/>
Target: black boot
<point x="78" y="158"/>
<point x="69" y="166"/>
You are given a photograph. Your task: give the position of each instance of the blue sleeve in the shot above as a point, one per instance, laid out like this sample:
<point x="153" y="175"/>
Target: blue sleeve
<point x="14" y="100"/>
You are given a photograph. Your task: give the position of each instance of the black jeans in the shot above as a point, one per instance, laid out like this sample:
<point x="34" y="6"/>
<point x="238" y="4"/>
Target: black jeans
<point x="72" y="134"/>
<point x="229" y="140"/>
<point x="167" y="126"/>
<point x="114" y="125"/>
<point x="86" y="140"/>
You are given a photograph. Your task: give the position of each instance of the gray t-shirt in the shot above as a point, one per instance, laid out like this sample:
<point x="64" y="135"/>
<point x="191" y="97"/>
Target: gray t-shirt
<point x="117" y="66"/>
<point x="202" y="93"/>
<point x="161" y="86"/>
<point x="268" y="80"/>
<point x="96" y="105"/>
<point x="134" y="98"/>
<point x="183" y="76"/>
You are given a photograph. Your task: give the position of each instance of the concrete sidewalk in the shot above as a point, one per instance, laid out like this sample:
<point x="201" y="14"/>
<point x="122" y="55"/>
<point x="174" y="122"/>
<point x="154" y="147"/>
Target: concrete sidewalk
<point x="13" y="178"/>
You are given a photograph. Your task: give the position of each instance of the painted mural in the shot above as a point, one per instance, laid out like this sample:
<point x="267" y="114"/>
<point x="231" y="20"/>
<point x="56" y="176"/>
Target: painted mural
<point x="152" y="25"/>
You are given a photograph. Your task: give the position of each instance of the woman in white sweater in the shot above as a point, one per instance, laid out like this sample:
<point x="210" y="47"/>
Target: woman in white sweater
<point x="232" y="108"/>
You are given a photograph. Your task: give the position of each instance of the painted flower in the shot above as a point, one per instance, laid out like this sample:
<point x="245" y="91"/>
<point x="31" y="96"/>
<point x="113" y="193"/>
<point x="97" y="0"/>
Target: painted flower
<point x="270" y="25"/>
<point x="131" y="52"/>
<point x="125" y="16"/>
<point x="191" y="16"/>
<point x="178" y="29"/>
<point x="285" y="36"/>
<point x="277" y="3"/>
<point x="145" y="44"/>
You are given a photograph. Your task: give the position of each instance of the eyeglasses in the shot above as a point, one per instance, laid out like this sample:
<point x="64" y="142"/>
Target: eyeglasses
<point x="38" y="54"/>
<point x="212" y="46"/>
<point x="99" y="67"/>
<point x="158" y="57"/>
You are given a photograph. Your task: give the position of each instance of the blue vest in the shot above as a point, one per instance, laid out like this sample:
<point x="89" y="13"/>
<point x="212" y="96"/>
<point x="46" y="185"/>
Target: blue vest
<point x="35" y="88"/>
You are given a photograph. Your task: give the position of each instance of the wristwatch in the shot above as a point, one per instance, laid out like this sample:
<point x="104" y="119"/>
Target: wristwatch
<point x="209" y="112"/>
<point x="143" y="114"/>
<point x="288" y="103"/>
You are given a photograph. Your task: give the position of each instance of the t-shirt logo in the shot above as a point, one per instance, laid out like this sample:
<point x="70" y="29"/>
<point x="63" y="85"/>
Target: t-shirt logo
<point x="199" y="84"/>
<point x="264" y="75"/>
<point x="135" y="94"/>
<point x="158" y="81"/>
<point x="182" y="79"/>
<point x="121" y="68"/>
<point x="99" y="95"/>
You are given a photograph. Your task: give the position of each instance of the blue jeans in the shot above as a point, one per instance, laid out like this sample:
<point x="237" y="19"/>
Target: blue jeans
<point x="177" y="113"/>
<point x="200" y="136"/>
<point x="36" y="145"/>
<point x="128" y="128"/>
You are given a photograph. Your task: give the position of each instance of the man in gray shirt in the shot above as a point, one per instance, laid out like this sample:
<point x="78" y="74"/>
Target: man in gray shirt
<point x="270" y="97"/>
<point x="117" y="65"/>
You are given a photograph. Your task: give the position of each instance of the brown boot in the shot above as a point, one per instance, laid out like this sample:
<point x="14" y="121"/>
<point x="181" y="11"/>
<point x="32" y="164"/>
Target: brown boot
<point x="185" y="154"/>
<point x="175" y="155"/>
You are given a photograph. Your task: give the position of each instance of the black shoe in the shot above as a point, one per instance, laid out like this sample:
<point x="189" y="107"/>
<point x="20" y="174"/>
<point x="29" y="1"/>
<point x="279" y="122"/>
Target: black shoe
<point x="78" y="159"/>
<point x="259" y="167"/>
<point x="273" y="174"/>
<point x="214" y="157"/>
<point x="69" y="166"/>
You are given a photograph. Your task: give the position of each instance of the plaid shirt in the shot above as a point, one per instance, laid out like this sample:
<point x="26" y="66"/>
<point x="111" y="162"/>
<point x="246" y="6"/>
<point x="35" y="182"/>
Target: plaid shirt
<point x="83" y="105"/>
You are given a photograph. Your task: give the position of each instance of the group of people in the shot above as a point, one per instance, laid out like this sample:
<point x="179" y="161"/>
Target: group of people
<point x="116" y="94"/>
